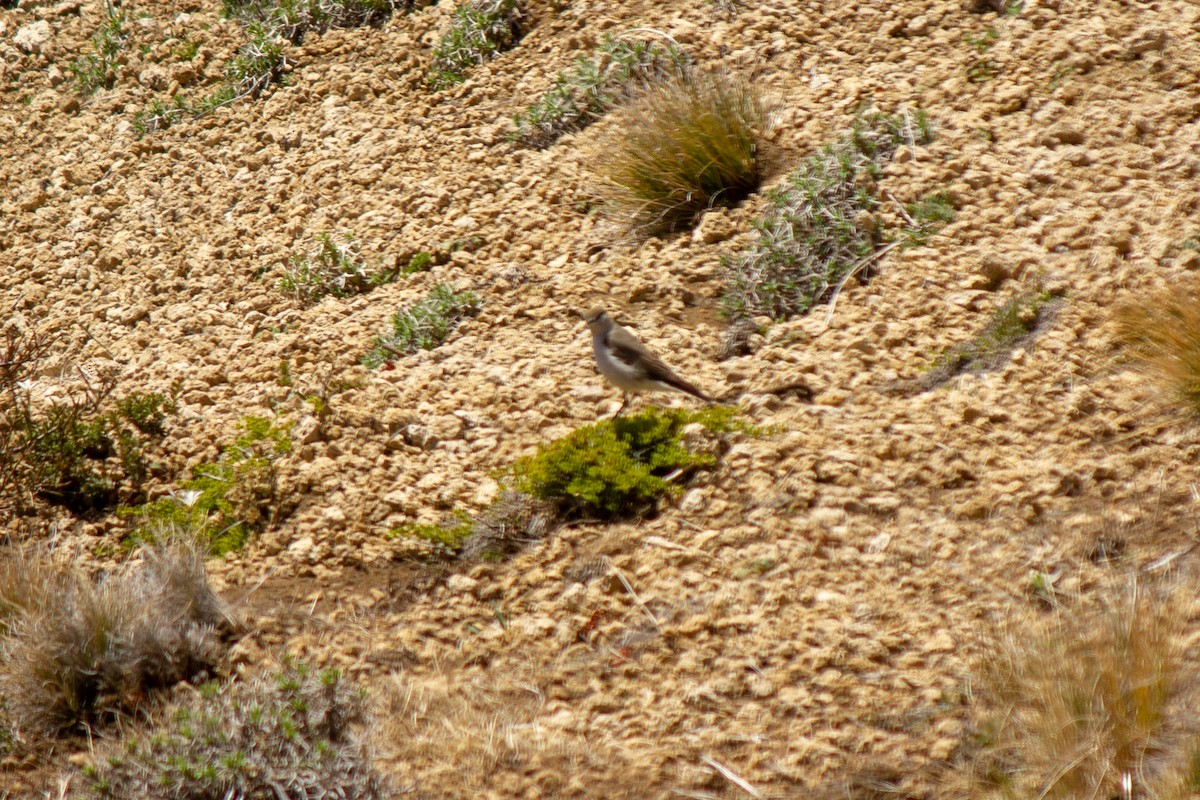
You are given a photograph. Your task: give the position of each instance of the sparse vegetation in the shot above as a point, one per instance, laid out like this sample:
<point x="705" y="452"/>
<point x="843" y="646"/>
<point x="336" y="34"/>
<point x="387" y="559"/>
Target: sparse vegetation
<point x="513" y="521"/>
<point x="594" y="85"/>
<point x="96" y="68"/>
<point x="84" y="452"/>
<point x="1083" y="700"/>
<point x="1009" y="325"/>
<point x="283" y="735"/>
<point x="927" y="217"/>
<point x="423" y="325"/>
<point x="446" y="538"/>
<point x="332" y="267"/>
<point x="270" y="25"/>
<point x="479" y="29"/>
<point x="225" y="501"/>
<point x="77" y="651"/>
<point x="982" y="70"/>
<point x="686" y="144"/>
<point x="1162" y="332"/>
<point x="621" y="467"/>
<point x="818" y="229"/>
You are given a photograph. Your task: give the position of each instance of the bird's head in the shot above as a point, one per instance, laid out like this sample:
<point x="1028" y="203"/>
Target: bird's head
<point x="597" y="319"/>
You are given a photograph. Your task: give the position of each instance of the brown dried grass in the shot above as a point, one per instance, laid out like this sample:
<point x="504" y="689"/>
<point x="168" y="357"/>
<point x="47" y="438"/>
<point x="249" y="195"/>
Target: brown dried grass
<point x="488" y="738"/>
<point x="1089" y="702"/>
<point x="684" y="145"/>
<point x="1162" y="332"/>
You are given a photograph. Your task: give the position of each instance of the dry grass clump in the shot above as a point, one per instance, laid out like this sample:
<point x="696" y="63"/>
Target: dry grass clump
<point x="1090" y="703"/>
<point x="513" y="522"/>
<point x="686" y="144"/>
<point x="1163" y="334"/>
<point x="286" y="735"/>
<point x="485" y="738"/>
<point x="77" y="651"/>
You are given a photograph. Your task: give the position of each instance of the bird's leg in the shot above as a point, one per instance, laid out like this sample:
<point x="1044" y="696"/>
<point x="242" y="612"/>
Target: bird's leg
<point x="624" y="403"/>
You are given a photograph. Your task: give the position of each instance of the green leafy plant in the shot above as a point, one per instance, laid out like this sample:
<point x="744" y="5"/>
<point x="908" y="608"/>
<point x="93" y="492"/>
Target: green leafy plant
<point x="684" y="145"/>
<point x="479" y="29"/>
<point x="420" y="262"/>
<point x="332" y="267"/>
<point x="78" y="652"/>
<point x="817" y="229"/>
<point x="447" y="538"/>
<point x="982" y="42"/>
<point x="593" y="85"/>
<point x="187" y="49"/>
<point x="423" y="325"/>
<point x="291" y="729"/>
<point x="621" y="467"/>
<point x="225" y="501"/>
<point x="96" y="68"/>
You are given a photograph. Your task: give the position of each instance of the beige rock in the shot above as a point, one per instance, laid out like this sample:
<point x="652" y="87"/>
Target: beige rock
<point x="34" y="37"/>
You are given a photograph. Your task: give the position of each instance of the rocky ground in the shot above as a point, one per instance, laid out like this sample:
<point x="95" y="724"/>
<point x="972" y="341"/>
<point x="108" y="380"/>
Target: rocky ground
<point x="809" y="611"/>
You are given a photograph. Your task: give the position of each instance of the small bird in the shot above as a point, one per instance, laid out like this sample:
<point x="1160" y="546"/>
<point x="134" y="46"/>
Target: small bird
<point x="628" y="365"/>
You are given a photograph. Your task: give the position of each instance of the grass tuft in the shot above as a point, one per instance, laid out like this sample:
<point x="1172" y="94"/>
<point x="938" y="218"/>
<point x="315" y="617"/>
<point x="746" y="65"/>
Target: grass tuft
<point x="479" y="29"/>
<point x="818" y="228"/>
<point x="282" y="735"/>
<point x="78" y="652"/>
<point x="1082" y="700"/>
<point x="424" y="325"/>
<point x="684" y="145"/>
<point x="595" y="84"/>
<point x="1162" y="332"/>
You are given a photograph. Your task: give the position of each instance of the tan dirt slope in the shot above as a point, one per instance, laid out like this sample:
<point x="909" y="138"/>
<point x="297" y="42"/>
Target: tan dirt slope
<point x="809" y="610"/>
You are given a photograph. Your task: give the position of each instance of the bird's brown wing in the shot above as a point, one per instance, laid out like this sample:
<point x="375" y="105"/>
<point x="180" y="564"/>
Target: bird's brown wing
<point x="628" y="348"/>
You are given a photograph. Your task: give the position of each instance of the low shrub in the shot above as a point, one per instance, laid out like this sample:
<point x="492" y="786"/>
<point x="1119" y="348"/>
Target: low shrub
<point x="283" y="735"/>
<point x="686" y="144"/>
<point x="617" y="69"/>
<point x="78" y="652"/>
<point x="620" y="467"/>
<point x="224" y="502"/>
<point x="423" y="325"/>
<point x="84" y="454"/>
<point x="817" y="229"/>
<point x="479" y="29"/>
